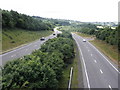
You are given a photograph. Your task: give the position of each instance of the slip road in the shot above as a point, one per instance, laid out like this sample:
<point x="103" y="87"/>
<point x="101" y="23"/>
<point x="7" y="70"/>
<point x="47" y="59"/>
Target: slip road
<point x="98" y="70"/>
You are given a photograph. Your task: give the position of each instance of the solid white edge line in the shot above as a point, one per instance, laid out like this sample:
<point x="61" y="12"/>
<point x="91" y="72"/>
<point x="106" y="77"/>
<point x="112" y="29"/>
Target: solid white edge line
<point x="84" y="65"/>
<point x="16" y="49"/>
<point x="104" y="57"/>
<point x="70" y="78"/>
<point x="101" y="71"/>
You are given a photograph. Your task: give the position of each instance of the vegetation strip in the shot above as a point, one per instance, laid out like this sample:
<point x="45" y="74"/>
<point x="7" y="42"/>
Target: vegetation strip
<point x="43" y="68"/>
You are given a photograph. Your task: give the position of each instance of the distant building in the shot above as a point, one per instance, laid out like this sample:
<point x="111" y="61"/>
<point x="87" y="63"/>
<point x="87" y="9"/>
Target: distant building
<point x="99" y="26"/>
<point x="113" y="27"/>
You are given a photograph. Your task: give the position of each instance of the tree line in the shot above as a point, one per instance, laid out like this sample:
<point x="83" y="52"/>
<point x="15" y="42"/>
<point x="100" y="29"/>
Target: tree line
<point x="107" y="34"/>
<point x="13" y="19"/>
<point x="41" y="69"/>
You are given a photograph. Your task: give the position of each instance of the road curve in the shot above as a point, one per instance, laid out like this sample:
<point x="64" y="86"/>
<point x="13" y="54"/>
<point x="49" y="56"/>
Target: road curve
<point x="98" y="70"/>
<point x="24" y="50"/>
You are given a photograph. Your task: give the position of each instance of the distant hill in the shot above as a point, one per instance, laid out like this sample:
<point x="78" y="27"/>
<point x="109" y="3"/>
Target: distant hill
<point x="13" y="19"/>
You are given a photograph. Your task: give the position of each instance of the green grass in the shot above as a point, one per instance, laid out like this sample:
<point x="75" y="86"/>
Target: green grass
<point x="75" y="69"/>
<point x="67" y="28"/>
<point x="63" y="83"/>
<point x="16" y="37"/>
<point x="109" y="50"/>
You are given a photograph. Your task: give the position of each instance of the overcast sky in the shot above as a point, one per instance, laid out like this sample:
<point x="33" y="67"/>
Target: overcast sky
<point x="81" y="10"/>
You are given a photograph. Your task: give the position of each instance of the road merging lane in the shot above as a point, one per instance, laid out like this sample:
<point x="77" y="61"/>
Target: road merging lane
<point x="105" y="73"/>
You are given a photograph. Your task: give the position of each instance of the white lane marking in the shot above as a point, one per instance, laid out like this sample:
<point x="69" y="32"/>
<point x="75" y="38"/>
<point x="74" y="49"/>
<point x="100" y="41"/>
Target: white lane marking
<point x="104" y="57"/>
<point x="35" y="45"/>
<point x="84" y="65"/>
<point x="91" y="54"/>
<point x="13" y="55"/>
<point x="88" y="50"/>
<point x="95" y="61"/>
<point x="110" y="87"/>
<point x="101" y="71"/>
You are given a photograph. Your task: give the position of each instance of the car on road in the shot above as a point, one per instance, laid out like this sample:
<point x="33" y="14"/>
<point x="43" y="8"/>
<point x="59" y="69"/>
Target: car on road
<point x="53" y="33"/>
<point x="84" y="40"/>
<point x="43" y="38"/>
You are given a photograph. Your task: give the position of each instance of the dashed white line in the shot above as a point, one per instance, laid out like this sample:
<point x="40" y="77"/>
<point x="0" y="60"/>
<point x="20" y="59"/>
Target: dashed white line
<point x="105" y="58"/>
<point x="88" y="50"/>
<point x="95" y="61"/>
<point x="35" y="45"/>
<point x="110" y="87"/>
<point x="13" y="55"/>
<point x="101" y="71"/>
<point x="91" y="55"/>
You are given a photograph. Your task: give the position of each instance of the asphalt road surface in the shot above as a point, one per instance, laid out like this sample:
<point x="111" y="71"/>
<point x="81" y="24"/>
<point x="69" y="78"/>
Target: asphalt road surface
<point x="98" y="70"/>
<point x="25" y="50"/>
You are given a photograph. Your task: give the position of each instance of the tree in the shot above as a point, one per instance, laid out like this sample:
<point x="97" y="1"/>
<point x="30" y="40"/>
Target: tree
<point x="30" y="73"/>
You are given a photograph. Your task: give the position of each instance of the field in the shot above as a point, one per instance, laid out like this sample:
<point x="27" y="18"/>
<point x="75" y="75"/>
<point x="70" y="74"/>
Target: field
<point x="15" y="37"/>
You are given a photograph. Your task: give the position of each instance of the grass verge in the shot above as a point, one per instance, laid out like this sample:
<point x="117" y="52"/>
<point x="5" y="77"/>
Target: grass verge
<point x="75" y="78"/>
<point x="109" y="50"/>
<point x="16" y="37"/>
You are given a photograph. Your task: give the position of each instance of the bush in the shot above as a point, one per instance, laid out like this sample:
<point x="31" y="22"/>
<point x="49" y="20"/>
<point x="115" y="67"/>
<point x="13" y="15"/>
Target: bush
<point x="42" y="69"/>
<point x="29" y="72"/>
<point x="63" y="45"/>
<point x="65" y="34"/>
<point x="109" y="35"/>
